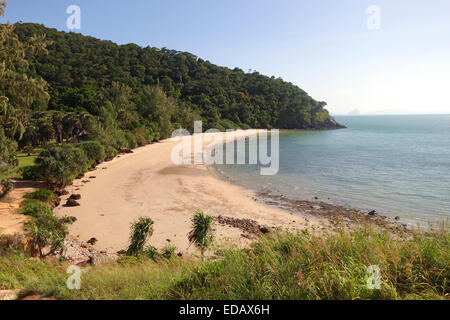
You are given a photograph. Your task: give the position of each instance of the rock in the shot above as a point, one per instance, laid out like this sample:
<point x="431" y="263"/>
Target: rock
<point x="122" y="252"/>
<point x="92" y="177"/>
<point x="316" y="198"/>
<point x="75" y="197"/>
<point x="397" y="218"/>
<point x="125" y="150"/>
<point x="92" y="241"/>
<point x="264" y="230"/>
<point x="85" y="181"/>
<point x="71" y="203"/>
<point x="317" y="207"/>
<point x="168" y="240"/>
<point x="60" y="193"/>
<point x="372" y="213"/>
<point x="180" y="254"/>
<point x="80" y="176"/>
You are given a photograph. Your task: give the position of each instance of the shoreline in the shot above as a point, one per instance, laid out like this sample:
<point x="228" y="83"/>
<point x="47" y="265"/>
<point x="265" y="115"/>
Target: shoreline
<point x="147" y="183"/>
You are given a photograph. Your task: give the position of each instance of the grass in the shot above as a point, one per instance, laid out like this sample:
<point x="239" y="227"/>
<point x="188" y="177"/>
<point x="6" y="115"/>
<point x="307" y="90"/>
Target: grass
<point x="279" y="266"/>
<point x="25" y="160"/>
<point x="41" y="195"/>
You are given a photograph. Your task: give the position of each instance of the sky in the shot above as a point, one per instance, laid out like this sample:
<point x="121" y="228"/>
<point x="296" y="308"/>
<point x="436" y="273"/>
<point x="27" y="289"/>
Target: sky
<point x="377" y="56"/>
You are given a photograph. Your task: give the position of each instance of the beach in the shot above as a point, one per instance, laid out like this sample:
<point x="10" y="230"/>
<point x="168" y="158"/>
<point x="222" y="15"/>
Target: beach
<point x="147" y="183"/>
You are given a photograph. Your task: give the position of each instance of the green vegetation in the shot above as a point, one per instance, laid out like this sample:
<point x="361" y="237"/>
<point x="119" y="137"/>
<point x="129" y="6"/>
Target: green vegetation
<point x="140" y="231"/>
<point x="44" y="228"/>
<point x="60" y="165"/>
<point x="94" y="151"/>
<point x="59" y="89"/>
<point x="279" y="266"/>
<point x="41" y="195"/>
<point x="201" y="234"/>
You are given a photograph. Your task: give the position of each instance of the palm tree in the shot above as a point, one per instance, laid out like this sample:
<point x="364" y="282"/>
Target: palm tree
<point x="141" y="230"/>
<point x="201" y="234"/>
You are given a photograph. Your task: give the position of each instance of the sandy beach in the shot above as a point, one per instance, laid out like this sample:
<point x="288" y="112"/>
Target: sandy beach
<point x="147" y="183"/>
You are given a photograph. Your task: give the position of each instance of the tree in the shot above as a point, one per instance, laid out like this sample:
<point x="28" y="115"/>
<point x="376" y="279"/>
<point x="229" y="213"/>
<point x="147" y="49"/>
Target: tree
<point x="8" y="162"/>
<point x="93" y="150"/>
<point x="59" y="165"/>
<point x="141" y="230"/>
<point x="201" y="234"/>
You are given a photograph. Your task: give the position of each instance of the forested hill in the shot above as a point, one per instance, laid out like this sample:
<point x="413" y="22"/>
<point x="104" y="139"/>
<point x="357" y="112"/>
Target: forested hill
<point x="81" y="70"/>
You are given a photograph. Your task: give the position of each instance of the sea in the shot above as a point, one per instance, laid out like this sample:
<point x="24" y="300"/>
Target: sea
<point x="398" y="165"/>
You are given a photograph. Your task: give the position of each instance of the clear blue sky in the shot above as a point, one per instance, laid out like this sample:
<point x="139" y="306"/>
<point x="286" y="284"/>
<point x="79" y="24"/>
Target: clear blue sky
<point x="323" y="46"/>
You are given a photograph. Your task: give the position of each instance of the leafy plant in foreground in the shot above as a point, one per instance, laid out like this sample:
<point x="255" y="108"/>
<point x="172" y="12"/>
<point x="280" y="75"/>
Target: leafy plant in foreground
<point x="141" y="230"/>
<point x="201" y="234"/>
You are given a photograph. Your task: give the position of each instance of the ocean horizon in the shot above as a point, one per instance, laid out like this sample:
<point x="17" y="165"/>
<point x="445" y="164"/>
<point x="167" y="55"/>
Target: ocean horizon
<point x="394" y="164"/>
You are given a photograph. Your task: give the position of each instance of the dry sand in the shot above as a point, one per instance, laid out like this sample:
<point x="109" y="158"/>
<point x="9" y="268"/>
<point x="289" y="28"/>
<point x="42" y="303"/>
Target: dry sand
<point x="11" y="221"/>
<point x="147" y="183"/>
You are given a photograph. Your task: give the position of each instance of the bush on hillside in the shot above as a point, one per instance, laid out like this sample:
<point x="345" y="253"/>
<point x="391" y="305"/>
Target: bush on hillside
<point x="93" y="150"/>
<point x="58" y="165"/>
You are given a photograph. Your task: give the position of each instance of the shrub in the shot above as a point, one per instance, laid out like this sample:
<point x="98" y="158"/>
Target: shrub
<point x="141" y="136"/>
<point x="132" y="143"/>
<point x="201" y="233"/>
<point x="41" y="194"/>
<point x="47" y="229"/>
<point x="35" y="208"/>
<point x="29" y="173"/>
<point x="141" y="230"/>
<point x="111" y="152"/>
<point x="152" y="252"/>
<point x="120" y="141"/>
<point x="168" y="251"/>
<point x="44" y="228"/>
<point x="93" y="150"/>
<point x="60" y="165"/>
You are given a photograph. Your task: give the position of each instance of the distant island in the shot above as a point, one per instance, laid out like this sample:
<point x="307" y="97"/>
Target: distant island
<point x="355" y="112"/>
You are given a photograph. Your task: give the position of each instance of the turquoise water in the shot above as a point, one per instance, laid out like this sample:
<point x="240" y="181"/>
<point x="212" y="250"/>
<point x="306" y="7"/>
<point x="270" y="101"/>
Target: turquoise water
<point x="397" y="165"/>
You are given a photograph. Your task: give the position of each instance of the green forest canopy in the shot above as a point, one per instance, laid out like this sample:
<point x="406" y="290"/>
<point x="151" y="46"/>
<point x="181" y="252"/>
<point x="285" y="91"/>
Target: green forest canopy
<point x="58" y="87"/>
<point x="79" y="69"/>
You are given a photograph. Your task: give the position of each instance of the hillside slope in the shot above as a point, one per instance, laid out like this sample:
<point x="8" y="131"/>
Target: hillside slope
<point x="78" y="67"/>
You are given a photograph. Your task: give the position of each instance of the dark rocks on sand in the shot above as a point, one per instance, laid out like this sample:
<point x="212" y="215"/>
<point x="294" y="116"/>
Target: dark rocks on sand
<point x="372" y="213"/>
<point x="75" y="197"/>
<point x="92" y="241"/>
<point x="264" y="230"/>
<point x="125" y="150"/>
<point x="397" y="218"/>
<point x="60" y="193"/>
<point x="71" y="203"/>
<point x="80" y="176"/>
